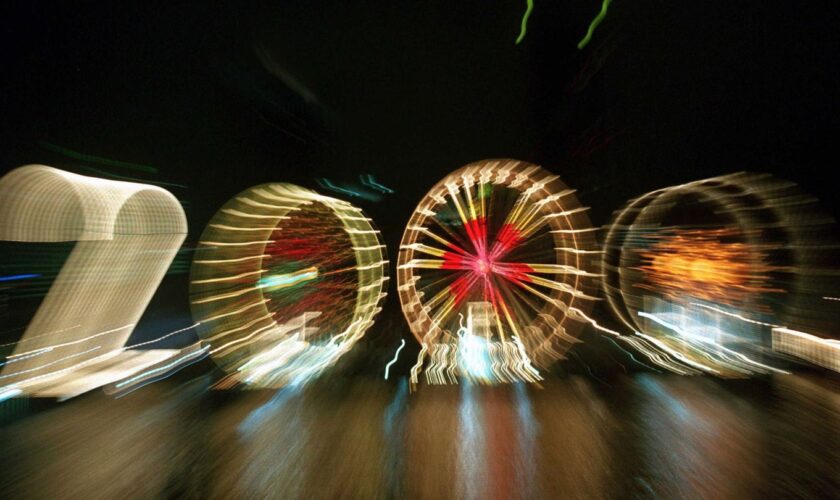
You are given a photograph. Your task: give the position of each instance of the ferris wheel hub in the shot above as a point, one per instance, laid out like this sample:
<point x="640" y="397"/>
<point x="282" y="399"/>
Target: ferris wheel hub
<point x="483" y="265"/>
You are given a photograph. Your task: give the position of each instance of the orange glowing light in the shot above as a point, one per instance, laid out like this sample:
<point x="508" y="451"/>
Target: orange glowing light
<point x="697" y="264"/>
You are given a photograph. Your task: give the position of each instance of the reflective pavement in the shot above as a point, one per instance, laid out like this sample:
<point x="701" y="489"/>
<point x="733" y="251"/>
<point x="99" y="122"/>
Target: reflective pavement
<point x="642" y="436"/>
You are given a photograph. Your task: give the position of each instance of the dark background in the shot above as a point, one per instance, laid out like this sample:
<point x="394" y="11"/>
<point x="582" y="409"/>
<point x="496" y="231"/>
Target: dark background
<point x="219" y="97"/>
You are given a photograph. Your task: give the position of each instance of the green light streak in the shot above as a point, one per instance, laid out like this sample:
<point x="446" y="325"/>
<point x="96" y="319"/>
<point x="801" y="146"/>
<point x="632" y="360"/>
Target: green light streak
<point x="133" y="179"/>
<point x="368" y="180"/>
<point x="96" y="159"/>
<point x="594" y="24"/>
<point x="363" y="194"/>
<point x="524" y="27"/>
<point x="329" y="185"/>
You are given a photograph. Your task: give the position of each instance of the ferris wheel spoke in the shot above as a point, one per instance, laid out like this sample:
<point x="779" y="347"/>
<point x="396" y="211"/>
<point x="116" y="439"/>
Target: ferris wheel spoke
<point x="527" y="223"/>
<point x="454" y="285"/>
<point x="490" y="291"/>
<point x="507" y="238"/>
<point x="474" y="202"/>
<point x="511" y="273"/>
<point x="507" y="229"/>
<point x="513" y="216"/>
<point x="450" y="262"/>
<point x="525" y="286"/>
<point x="432" y="284"/>
<point x="473" y="225"/>
<point x="441" y="296"/>
<point x="462" y="242"/>
<point x="532" y="228"/>
<point x="535" y="223"/>
<point x="478" y="219"/>
<point x="456" y="294"/>
<point x="462" y="286"/>
<point x="542" y="268"/>
<point x="520" y="305"/>
<point x="455" y="197"/>
<point x="423" y="264"/>
<point x="521" y="283"/>
<point x="442" y="313"/>
<point x="520" y="277"/>
<point x="442" y="241"/>
<point x="506" y="313"/>
<point x="526" y="218"/>
<point x="558" y="304"/>
<point x="557" y="285"/>
<point x="531" y="300"/>
<point x="513" y="236"/>
<point x="426" y="249"/>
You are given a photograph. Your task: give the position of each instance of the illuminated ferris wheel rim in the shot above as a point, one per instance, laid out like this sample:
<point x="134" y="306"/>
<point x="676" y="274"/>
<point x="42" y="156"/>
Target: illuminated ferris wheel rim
<point x="270" y="205"/>
<point x="541" y="195"/>
<point x="727" y="192"/>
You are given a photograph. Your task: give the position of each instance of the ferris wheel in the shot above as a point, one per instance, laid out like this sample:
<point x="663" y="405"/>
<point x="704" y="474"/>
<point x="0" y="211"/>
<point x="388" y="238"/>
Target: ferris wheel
<point x="284" y="282"/>
<point x="500" y="252"/>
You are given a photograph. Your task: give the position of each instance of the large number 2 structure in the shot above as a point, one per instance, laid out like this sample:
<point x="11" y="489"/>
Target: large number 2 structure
<point x="127" y="235"/>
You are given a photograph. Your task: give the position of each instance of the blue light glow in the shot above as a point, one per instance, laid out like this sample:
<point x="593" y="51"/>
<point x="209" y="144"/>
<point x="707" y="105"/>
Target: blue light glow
<point x="16" y="277"/>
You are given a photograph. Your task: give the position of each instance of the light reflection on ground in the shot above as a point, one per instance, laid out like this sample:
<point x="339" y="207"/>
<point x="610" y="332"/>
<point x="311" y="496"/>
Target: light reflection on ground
<point x="643" y="436"/>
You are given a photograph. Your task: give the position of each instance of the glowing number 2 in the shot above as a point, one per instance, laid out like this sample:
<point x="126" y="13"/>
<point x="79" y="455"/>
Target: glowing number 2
<point x="127" y="233"/>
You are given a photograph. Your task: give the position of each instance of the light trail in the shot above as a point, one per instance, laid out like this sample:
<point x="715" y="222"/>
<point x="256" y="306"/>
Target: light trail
<point x="144" y="374"/>
<point x="396" y="355"/>
<point x="237" y="277"/>
<point x="40" y="367"/>
<point x="32" y="353"/>
<point x="82" y="364"/>
<point x="676" y="354"/>
<point x="280" y="281"/>
<point x="369" y="180"/>
<point x="9" y="392"/>
<point x="523" y="29"/>
<point x="717" y="346"/>
<point x="820" y="351"/>
<point x="17" y="277"/>
<point x="594" y="24"/>
<point x="731" y="314"/>
<point x="166" y="336"/>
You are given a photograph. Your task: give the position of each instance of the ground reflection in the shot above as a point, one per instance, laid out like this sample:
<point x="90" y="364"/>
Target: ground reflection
<point x="642" y="436"/>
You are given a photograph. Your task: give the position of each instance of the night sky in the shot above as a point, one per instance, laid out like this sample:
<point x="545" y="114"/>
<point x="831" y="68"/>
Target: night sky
<point x="222" y="97"/>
